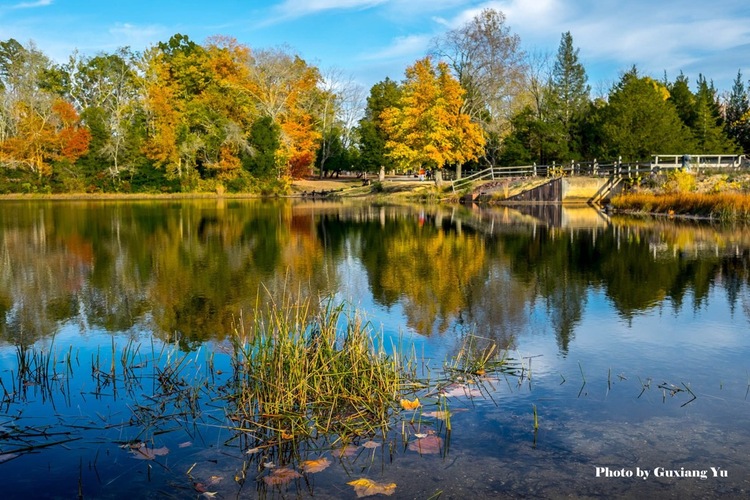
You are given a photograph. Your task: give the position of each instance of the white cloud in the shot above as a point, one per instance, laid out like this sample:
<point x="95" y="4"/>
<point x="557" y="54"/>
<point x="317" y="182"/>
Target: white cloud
<point x="299" y="8"/>
<point x="32" y="5"/>
<point x="131" y="34"/>
<point x="401" y="47"/>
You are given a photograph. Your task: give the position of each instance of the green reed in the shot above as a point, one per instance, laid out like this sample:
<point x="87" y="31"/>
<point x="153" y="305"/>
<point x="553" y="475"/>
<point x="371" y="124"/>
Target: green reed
<point x="299" y="374"/>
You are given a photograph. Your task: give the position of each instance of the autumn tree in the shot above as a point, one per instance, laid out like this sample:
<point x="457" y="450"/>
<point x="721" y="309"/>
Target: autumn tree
<point x="429" y="128"/>
<point x="487" y="59"/>
<point x="285" y="88"/>
<point x="199" y="114"/>
<point x="38" y="128"/>
<point x="106" y="89"/>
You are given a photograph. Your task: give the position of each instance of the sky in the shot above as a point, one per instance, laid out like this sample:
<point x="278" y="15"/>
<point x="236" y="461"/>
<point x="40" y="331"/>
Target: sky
<point x="369" y="40"/>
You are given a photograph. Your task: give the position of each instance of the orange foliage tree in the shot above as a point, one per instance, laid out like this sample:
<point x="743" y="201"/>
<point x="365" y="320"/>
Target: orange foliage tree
<point x="43" y="135"/>
<point x="428" y="128"/>
<point x="285" y="88"/>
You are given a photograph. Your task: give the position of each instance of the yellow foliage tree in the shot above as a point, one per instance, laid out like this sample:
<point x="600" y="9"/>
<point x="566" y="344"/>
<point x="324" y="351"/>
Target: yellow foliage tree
<point x="428" y="128"/>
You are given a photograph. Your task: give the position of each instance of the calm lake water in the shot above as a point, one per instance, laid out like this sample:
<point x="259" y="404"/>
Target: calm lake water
<point x="633" y="336"/>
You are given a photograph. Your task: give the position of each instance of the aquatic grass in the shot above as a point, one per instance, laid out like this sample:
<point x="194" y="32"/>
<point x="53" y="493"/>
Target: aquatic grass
<point x="478" y="356"/>
<point x="299" y="374"/>
<point x="723" y="206"/>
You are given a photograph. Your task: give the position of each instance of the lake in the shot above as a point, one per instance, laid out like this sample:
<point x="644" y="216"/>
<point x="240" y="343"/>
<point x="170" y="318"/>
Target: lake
<point x="629" y="339"/>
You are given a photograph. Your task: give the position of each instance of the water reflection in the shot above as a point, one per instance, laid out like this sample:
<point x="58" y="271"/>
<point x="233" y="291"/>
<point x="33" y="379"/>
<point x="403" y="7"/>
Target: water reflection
<point x="188" y="269"/>
<point x="605" y="312"/>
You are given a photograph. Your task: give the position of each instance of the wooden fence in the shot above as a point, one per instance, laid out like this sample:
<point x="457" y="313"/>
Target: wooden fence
<point x="614" y="169"/>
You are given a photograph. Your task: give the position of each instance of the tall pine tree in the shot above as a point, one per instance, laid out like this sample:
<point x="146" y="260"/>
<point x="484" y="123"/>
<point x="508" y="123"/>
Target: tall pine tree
<point x="737" y="123"/>
<point x="707" y="130"/>
<point x="568" y="94"/>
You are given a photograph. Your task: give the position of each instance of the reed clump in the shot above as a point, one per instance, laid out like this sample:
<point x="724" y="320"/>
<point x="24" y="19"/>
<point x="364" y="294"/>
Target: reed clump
<point x="723" y="206"/>
<point x="299" y="374"/>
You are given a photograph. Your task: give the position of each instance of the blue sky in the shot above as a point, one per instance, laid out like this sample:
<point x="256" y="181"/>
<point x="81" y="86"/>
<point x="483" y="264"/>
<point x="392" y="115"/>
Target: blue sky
<point x="372" y="39"/>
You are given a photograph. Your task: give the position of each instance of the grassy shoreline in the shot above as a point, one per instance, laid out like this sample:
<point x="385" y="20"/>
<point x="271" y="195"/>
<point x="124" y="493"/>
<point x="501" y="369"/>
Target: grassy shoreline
<point x="713" y="196"/>
<point x="720" y="206"/>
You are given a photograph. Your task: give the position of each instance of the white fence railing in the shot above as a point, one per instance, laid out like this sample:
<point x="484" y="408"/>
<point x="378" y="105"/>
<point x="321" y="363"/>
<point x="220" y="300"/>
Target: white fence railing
<point x="615" y="168"/>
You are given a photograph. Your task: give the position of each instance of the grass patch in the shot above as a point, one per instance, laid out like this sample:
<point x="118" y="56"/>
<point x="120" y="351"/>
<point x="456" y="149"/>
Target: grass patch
<point x="724" y="206"/>
<point x="300" y="375"/>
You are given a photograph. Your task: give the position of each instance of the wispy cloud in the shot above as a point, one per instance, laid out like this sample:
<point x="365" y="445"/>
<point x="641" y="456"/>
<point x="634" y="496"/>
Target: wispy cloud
<point x="136" y="35"/>
<point x="32" y="5"/>
<point x="299" y="8"/>
<point x="400" y="47"/>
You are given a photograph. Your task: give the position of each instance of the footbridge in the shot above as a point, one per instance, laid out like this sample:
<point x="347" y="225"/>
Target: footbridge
<point x="592" y="182"/>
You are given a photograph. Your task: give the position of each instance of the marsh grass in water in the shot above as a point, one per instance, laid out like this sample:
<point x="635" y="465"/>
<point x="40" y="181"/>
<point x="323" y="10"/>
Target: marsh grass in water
<point x="300" y="375"/>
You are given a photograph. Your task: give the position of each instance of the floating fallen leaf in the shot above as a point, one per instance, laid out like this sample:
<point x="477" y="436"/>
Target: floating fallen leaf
<point x="441" y="414"/>
<point x="286" y="435"/>
<point x="133" y="445"/>
<point x="348" y="451"/>
<point x="185" y="444"/>
<point x="313" y="466"/>
<point x="410" y="405"/>
<point x="366" y="487"/>
<point x="269" y="465"/>
<point x="370" y="444"/>
<point x="145" y="453"/>
<point x="209" y="494"/>
<point x="215" y="479"/>
<point x="200" y="487"/>
<point x="281" y="475"/>
<point x="252" y="451"/>
<point x="427" y="445"/>
<point x="420" y="435"/>
<point x="458" y="390"/>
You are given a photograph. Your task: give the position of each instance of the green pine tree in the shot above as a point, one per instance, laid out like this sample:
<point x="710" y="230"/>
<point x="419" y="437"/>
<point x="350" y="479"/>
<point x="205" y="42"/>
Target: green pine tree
<point x="568" y="95"/>
<point x="737" y="123"/>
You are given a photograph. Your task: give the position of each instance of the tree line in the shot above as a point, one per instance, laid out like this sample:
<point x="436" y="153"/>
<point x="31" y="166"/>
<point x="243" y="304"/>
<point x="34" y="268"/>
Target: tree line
<point x="220" y="116"/>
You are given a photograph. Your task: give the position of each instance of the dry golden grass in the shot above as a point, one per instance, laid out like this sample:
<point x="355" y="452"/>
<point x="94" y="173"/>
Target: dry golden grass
<point x="727" y="206"/>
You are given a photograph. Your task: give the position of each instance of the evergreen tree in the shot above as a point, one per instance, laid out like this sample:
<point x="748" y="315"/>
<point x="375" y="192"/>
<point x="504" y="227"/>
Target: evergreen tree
<point x="737" y="122"/>
<point x="568" y="95"/>
<point x="265" y="142"/>
<point x="683" y="99"/>
<point x="639" y="121"/>
<point x="708" y="132"/>
<point x="372" y="135"/>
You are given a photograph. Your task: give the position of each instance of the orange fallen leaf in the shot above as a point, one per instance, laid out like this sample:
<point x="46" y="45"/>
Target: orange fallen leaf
<point x="427" y="445"/>
<point x="281" y="475"/>
<point x="313" y="466"/>
<point x="286" y="435"/>
<point x="410" y="405"/>
<point x="367" y="487"/>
